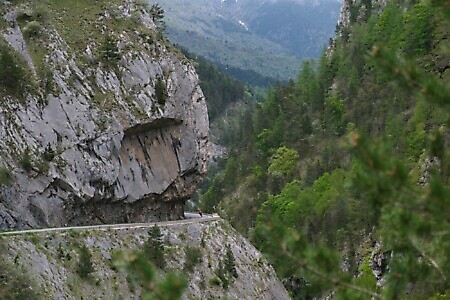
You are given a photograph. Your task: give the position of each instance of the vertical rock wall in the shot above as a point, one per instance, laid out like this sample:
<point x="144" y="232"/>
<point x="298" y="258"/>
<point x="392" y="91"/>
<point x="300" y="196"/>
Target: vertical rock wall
<point x="102" y="147"/>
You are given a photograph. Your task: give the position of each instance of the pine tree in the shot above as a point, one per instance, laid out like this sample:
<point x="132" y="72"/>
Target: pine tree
<point x="109" y="52"/>
<point x="389" y="184"/>
<point x="229" y="262"/>
<point x="85" y="266"/>
<point x="157" y="15"/>
<point x="154" y="248"/>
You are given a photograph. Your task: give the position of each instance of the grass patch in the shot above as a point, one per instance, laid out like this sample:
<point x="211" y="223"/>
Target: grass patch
<point x="78" y="22"/>
<point x="33" y="19"/>
<point x="82" y="21"/>
<point x="14" y="72"/>
<point x="193" y="258"/>
<point x="6" y="177"/>
<point x="34" y="238"/>
<point x="15" y="283"/>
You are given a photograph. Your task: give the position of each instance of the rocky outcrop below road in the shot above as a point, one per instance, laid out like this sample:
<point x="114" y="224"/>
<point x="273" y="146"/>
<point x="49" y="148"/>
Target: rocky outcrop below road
<point x="112" y="127"/>
<point x="86" y="264"/>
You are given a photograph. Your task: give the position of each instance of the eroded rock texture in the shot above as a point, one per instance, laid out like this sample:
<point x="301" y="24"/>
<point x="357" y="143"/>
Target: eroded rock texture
<point x="102" y="147"/>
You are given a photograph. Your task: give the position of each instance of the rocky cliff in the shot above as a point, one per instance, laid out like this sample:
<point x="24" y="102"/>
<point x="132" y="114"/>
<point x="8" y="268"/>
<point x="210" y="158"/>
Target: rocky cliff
<point x="357" y="11"/>
<point x="105" y="122"/>
<point x="80" y="264"/>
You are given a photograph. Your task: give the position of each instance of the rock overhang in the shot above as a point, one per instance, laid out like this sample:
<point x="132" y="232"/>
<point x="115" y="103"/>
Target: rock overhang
<point x="120" y="154"/>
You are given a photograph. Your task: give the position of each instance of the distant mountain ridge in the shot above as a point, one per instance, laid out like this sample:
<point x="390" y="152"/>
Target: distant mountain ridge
<point x="270" y="38"/>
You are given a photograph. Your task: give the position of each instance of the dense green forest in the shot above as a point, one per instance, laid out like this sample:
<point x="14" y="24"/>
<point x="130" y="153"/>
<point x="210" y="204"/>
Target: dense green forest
<point x="220" y="90"/>
<point x="351" y="161"/>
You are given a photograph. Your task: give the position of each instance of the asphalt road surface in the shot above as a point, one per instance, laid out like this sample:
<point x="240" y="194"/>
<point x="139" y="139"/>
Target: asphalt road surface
<point x="189" y="218"/>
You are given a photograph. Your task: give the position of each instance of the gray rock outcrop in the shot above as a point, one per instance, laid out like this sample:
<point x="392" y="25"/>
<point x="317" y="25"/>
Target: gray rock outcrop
<point x="52" y="260"/>
<point x="103" y="145"/>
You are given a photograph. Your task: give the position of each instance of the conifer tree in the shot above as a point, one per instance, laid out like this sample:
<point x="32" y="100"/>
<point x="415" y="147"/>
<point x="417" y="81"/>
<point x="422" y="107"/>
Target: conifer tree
<point x="157" y="14"/>
<point x="385" y="95"/>
<point x="154" y="247"/>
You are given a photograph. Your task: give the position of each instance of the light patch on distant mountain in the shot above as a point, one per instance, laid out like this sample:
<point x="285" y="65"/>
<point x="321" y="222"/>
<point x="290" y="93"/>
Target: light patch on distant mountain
<point x="243" y="25"/>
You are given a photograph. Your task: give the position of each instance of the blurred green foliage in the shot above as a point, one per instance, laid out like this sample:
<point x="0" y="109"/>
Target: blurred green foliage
<point x="369" y="122"/>
<point x="142" y="271"/>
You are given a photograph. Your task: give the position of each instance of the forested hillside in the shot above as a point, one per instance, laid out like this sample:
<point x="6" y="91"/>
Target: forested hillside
<point x="255" y="41"/>
<point x="220" y="90"/>
<point x="342" y="176"/>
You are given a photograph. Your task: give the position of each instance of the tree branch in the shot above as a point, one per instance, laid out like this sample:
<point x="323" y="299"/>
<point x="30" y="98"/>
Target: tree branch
<point x="428" y="258"/>
<point x="335" y="281"/>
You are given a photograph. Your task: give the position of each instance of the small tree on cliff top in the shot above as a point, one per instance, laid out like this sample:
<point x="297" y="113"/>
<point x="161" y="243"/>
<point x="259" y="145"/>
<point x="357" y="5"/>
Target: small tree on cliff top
<point x="157" y="15"/>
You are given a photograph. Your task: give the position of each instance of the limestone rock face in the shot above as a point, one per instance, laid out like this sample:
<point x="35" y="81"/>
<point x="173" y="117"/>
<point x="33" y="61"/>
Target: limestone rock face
<point x="356" y="10"/>
<point x="51" y="260"/>
<point x="103" y="145"/>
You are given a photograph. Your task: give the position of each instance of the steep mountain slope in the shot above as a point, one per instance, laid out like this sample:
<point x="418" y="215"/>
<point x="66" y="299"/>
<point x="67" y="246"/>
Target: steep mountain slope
<point x="347" y="168"/>
<point x="101" y="119"/>
<point x="88" y="264"/>
<point x="300" y="27"/>
<point x="268" y="37"/>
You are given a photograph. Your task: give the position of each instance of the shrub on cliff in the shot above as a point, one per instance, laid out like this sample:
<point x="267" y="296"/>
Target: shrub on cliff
<point x="15" y="285"/>
<point x="6" y="177"/>
<point x="109" y="52"/>
<point x="32" y="29"/>
<point x="161" y="92"/>
<point x="26" y="161"/>
<point x="193" y="258"/>
<point x="84" y="267"/>
<point x="12" y="76"/>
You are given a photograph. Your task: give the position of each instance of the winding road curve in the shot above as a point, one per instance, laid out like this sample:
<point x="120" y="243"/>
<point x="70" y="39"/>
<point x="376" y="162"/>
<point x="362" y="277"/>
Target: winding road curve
<point x="189" y="219"/>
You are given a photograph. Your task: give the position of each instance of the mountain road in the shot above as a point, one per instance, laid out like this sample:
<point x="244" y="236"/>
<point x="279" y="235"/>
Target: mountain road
<point x="189" y="218"/>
